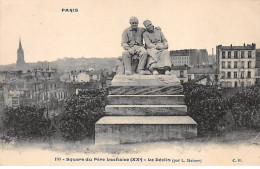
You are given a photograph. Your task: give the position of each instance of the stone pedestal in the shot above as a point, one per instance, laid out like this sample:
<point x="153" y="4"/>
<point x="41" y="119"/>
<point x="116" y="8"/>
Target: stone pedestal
<point x="144" y="108"/>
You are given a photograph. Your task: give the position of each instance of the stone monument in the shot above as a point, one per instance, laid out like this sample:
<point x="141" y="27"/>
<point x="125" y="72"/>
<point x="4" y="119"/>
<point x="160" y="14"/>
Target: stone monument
<point x="144" y="108"/>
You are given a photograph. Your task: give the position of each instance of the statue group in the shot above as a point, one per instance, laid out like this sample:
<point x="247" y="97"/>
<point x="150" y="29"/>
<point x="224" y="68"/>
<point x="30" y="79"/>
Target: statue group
<point x="152" y="57"/>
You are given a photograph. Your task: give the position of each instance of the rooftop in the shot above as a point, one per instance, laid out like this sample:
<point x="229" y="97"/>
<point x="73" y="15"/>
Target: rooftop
<point x="195" y="70"/>
<point x="179" y="68"/>
<point x="244" y="47"/>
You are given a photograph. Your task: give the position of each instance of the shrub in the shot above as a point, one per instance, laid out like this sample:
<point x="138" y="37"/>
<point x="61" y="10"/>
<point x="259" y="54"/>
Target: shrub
<point x="82" y="111"/>
<point x="206" y="106"/>
<point x="246" y="109"/>
<point x="26" y="123"/>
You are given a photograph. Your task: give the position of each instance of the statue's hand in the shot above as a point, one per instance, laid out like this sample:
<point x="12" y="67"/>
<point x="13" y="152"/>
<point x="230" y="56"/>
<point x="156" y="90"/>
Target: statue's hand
<point x="160" y="46"/>
<point x="131" y="51"/>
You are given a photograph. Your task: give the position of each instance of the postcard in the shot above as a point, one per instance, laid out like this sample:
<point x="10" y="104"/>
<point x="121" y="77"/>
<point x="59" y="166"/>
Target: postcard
<point x="129" y="83"/>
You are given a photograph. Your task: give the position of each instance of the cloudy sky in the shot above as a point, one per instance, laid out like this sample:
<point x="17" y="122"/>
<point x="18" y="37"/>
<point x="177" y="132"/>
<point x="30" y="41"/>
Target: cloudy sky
<point x="95" y="30"/>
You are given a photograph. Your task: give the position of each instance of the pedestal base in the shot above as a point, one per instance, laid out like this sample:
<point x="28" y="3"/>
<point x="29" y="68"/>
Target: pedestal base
<point x="134" y="129"/>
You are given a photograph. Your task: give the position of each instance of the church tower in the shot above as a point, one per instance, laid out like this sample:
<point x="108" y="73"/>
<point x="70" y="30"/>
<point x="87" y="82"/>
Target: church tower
<point x="20" y="63"/>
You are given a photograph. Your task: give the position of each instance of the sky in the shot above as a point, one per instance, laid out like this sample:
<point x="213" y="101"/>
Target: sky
<point x="49" y="34"/>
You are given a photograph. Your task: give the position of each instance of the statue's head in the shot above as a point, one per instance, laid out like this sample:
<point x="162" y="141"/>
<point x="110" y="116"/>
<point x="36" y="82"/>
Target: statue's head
<point x="133" y="22"/>
<point x="148" y="25"/>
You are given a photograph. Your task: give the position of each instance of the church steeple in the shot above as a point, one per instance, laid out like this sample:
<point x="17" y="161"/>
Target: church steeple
<point x="20" y="44"/>
<point x="20" y="63"/>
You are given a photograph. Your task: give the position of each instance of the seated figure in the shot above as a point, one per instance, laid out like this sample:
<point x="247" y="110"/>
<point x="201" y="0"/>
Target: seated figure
<point x="157" y="48"/>
<point x="120" y="68"/>
<point x="132" y="42"/>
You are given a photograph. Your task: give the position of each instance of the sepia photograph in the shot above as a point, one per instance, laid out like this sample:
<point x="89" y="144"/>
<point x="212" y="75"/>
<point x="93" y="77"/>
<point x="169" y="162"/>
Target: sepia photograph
<point x="129" y="83"/>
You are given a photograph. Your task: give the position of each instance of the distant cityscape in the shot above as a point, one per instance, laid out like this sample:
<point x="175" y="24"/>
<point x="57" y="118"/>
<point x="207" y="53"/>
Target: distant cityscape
<point x="48" y="83"/>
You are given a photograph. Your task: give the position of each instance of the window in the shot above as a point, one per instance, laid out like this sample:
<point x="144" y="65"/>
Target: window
<point x="235" y="54"/>
<point x="20" y="85"/>
<point x="189" y="77"/>
<point x="15" y="101"/>
<point x="223" y="55"/>
<point x="229" y="64"/>
<point x="223" y="65"/>
<point x="235" y="84"/>
<point x="249" y="54"/>
<point x="229" y="84"/>
<point x="242" y="54"/>
<point x="249" y="64"/>
<point x="242" y="84"/>
<point x="235" y="74"/>
<point x="242" y="64"/>
<point x="223" y="75"/>
<point x="229" y="75"/>
<point x="242" y="75"/>
<point x="248" y="74"/>
<point x="229" y="54"/>
<point x="216" y="78"/>
<point x="235" y="64"/>
<point x="181" y="73"/>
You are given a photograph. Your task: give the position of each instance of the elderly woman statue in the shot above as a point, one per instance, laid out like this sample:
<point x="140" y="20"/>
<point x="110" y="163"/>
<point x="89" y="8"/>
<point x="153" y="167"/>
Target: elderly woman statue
<point x="157" y="48"/>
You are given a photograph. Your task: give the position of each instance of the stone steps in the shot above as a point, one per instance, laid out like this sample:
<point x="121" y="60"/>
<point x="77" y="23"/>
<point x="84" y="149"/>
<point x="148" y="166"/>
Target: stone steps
<point x="133" y="129"/>
<point x="146" y="110"/>
<point x="146" y="100"/>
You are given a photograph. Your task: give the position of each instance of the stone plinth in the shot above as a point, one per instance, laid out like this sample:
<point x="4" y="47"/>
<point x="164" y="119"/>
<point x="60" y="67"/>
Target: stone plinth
<point x="145" y="85"/>
<point x="134" y="129"/>
<point x="144" y="108"/>
<point x="146" y="99"/>
<point x="145" y="80"/>
<point x="145" y="90"/>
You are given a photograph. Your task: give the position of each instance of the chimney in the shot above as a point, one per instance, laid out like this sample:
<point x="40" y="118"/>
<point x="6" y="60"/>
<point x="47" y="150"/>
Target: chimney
<point x="253" y="45"/>
<point x="244" y="44"/>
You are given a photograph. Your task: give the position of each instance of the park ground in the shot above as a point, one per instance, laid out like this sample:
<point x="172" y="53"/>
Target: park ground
<point x="237" y="147"/>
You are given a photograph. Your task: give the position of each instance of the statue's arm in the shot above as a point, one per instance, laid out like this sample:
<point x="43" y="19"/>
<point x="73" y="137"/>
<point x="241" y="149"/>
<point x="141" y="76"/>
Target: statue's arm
<point x="125" y="39"/>
<point x="148" y="41"/>
<point x="164" y="41"/>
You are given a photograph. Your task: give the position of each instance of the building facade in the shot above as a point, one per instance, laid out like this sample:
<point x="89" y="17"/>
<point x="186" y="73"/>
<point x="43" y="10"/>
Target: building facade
<point x="180" y="72"/>
<point x="180" y="57"/>
<point x="37" y="87"/>
<point x="257" y="67"/>
<point x="203" y="75"/>
<point x="81" y="76"/>
<point x="189" y="57"/>
<point x="236" y="65"/>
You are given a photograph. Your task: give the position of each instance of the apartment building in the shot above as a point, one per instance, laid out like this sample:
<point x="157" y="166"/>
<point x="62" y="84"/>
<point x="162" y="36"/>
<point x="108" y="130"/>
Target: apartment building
<point x="189" y="57"/>
<point x="236" y="65"/>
